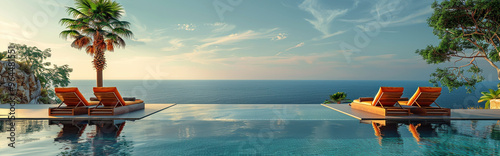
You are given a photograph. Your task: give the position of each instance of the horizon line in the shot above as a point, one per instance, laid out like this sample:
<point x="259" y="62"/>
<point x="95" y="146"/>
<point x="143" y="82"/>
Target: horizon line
<point x="251" y="79"/>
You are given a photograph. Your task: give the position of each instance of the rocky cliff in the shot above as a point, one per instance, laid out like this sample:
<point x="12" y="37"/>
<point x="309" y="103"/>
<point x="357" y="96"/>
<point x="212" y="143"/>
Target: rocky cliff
<point x="28" y="88"/>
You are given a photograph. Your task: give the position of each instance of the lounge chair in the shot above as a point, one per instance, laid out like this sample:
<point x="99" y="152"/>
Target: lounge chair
<point x="383" y="103"/>
<point x="112" y="103"/>
<point x="74" y="100"/>
<point x="424" y="97"/>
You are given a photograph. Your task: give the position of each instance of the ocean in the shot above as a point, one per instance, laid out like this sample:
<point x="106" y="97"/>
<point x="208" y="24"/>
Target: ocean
<point x="271" y="91"/>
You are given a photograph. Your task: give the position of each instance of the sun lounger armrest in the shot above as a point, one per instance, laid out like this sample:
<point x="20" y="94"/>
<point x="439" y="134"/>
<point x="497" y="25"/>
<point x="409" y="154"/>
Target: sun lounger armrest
<point x="361" y="99"/>
<point x="94" y="99"/>
<point x="403" y="99"/>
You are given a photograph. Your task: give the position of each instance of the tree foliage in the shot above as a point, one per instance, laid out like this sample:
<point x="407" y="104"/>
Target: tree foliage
<point x="32" y="57"/>
<point x="96" y="27"/>
<point x="35" y="60"/>
<point x="468" y="32"/>
<point x="3" y="55"/>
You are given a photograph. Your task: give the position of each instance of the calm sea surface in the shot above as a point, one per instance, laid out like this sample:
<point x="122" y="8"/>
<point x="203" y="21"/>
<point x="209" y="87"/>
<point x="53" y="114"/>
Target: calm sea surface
<point x="270" y="91"/>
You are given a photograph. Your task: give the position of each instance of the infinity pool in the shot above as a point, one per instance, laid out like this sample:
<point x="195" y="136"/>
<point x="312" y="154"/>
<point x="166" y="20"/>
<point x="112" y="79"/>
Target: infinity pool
<point x="252" y="130"/>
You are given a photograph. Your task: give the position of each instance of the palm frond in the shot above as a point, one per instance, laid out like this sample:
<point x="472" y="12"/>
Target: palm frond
<point x="75" y="12"/>
<point x="69" y="33"/>
<point x="96" y="27"/>
<point x="123" y="32"/>
<point x="109" y="45"/>
<point x="90" y="50"/>
<point x="80" y="42"/>
<point x="84" y="5"/>
<point x="90" y="31"/>
<point x="80" y="26"/>
<point x="104" y="25"/>
<point x="120" y="24"/>
<point x="67" y="21"/>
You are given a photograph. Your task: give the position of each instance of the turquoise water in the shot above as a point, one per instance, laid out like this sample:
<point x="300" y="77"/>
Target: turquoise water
<point x="270" y="91"/>
<point x="288" y="129"/>
<point x="248" y="112"/>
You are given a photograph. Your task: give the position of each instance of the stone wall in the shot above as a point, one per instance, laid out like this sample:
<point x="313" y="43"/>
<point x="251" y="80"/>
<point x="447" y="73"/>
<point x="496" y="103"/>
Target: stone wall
<point x="27" y="87"/>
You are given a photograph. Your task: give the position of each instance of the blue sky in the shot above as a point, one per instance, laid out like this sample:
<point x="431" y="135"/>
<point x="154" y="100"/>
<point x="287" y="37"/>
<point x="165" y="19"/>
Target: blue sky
<point x="258" y="39"/>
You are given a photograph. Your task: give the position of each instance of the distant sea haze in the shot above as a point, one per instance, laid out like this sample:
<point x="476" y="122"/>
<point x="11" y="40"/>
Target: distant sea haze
<point x="271" y="91"/>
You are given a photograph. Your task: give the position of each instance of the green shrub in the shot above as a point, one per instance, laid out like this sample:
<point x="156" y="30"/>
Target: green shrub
<point x="487" y="96"/>
<point x="23" y="66"/>
<point x="44" y="100"/>
<point x="4" y="98"/>
<point x="337" y="97"/>
<point x="44" y="92"/>
<point x="32" y="60"/>
<point x="3" y="55"/>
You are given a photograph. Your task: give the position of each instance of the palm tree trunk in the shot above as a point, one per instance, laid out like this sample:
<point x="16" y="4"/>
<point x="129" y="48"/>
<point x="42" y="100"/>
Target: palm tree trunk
<point x="99" y="78"/>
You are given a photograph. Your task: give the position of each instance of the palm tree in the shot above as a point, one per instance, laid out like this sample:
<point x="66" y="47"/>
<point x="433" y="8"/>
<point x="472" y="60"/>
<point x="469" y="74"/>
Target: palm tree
<point x="97" y="28"/>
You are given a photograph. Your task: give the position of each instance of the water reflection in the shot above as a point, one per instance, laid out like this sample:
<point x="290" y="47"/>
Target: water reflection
<point x="387" y="131"/>
<point x="24" y="126"/>
<point x="258" y="137"/>
<point x="495" y="131"/>
<point x="103" y="140"/>
<point x="70" y="130"/>
<point x="106" y="140"/>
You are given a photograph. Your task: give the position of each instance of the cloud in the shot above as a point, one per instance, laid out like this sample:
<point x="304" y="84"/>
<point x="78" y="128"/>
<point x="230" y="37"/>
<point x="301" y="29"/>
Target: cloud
<point x="296" y="46"/>
<point x="333" y="34"/>
<point x="200" y="56"/>
<point x="187" y="27"/>
<point x="136" y="23"/>
<point x="175" y="44"/>
<point x="413" y="18"/>
<point x="219" y="27"/>
<point x="322" y="17"/>
<point x="11" y="32"/>
<point x="236" y="37"/>
<point x="134" y="42"/>
<point x="280" y="36"/>
<point x="203" y="56"/>
<point x="143" y="39"/>
<point x="356" y="3"/>
<point x="392" y="14"/>
<point x="206" y="51"/>
<point x="274" y="60"/>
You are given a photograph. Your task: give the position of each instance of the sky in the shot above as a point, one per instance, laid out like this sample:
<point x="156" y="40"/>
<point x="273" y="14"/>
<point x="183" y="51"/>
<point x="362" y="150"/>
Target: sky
<point x="243" y="39"/>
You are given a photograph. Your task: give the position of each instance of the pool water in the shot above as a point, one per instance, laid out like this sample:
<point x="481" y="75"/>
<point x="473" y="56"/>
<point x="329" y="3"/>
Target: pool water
<point x="252" y="130"/>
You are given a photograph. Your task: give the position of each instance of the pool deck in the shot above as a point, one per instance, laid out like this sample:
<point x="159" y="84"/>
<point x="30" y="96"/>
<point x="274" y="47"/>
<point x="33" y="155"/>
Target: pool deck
<point x="456" y="114"/>
<point x="40" y="112"/>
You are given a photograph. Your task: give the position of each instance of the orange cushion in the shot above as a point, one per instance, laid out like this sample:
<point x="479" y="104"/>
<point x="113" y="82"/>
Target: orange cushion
<point x="72" y="90"/>
<point x="362" y="102"/>
<point x="109" y="89"/>
<point x="386" y="89"/>
<point x="420" y="90"/>
<point x="133" y="102"/>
